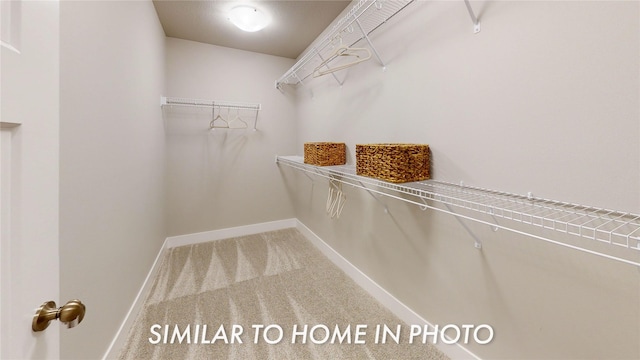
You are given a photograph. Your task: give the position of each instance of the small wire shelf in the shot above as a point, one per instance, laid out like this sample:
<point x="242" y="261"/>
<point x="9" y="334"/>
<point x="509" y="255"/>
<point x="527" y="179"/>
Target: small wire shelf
<point x="171" y="101"/>
<point x="219" y="119"/>
<point x="614" y="228"/>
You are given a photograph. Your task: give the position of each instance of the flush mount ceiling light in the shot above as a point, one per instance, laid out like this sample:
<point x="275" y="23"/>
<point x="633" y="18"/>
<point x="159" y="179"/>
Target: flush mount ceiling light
<point x="248" y="18"/>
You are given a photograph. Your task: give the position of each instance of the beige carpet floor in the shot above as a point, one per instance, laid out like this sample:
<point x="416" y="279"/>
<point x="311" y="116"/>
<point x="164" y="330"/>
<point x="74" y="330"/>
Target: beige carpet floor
<point x="277" y="279"/>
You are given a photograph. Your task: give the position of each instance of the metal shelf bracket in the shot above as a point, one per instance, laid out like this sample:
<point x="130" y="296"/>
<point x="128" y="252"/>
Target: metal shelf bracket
<point x="373" y="48"/>
<point x="386" y="208"/>
<point x="474" y="18"/>
<point x="476" y="241"/>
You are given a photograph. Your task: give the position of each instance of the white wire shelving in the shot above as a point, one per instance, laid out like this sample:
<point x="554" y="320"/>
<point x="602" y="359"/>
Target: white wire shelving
<point x="219" y="119"/>
<point x="364" y="17"/>
<point x="613" y="228"/>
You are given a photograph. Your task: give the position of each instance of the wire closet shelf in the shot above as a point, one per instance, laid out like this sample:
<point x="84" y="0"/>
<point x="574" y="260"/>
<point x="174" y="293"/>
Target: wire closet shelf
<point x="219" y="121"/>
<point x="363" y="18"/>
<point x="613" y="228"/>
<point x="171" y="101"/>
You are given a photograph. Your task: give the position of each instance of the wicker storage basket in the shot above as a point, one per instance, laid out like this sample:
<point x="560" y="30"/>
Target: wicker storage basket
<point x="393" y="162"/>
<point x="325" y="153"/>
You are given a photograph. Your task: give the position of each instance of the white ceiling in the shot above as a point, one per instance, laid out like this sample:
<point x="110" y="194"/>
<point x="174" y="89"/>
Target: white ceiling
<point x="295" y="24"/>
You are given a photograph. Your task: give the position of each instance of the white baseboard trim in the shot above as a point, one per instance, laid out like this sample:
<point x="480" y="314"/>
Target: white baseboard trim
<point x="453" y="351"/>
<point x="196" y="238"/>
<point x="121" y="335"/>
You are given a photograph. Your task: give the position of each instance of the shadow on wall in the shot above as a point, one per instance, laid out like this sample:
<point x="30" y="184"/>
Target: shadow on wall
<point x="202" y="159"/>
<point x="356" y="101"/>
<point x="349" y="110"/>
<point x="298" y="183"/>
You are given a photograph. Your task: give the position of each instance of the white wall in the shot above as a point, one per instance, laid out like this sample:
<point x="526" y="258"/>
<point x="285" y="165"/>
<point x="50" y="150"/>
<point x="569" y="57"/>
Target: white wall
<point x="545" y="99"/>
<point x="112" y="162"/>
<point x="225" y="178"/>
<point x="30" y="91"/>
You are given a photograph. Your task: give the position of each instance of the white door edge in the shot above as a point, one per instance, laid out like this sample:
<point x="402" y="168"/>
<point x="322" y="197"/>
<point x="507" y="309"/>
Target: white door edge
<point x="5" y="204"/>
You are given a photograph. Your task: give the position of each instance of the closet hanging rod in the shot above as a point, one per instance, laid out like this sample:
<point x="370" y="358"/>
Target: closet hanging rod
<point x="617" y="229"/>
<point x="174" y="101"/>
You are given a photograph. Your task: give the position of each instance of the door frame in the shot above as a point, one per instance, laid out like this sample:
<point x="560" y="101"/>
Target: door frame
<point x="6" y="133"/>
<point x="5" y="146"/>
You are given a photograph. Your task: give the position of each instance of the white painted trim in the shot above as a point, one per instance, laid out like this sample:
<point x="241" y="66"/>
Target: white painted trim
<point x="11" y="25"/>
<point x="121" y="335"/>
<point x="453" y="351"/>
<point x="5" y="236"/>
<point x="227" y="233"/>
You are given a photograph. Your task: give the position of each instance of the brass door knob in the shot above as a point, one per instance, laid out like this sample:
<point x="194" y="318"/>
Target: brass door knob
<point x="70" y="313"/>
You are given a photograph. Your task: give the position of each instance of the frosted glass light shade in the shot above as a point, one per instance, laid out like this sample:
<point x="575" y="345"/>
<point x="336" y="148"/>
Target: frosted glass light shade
<point x="248" y="18"/>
